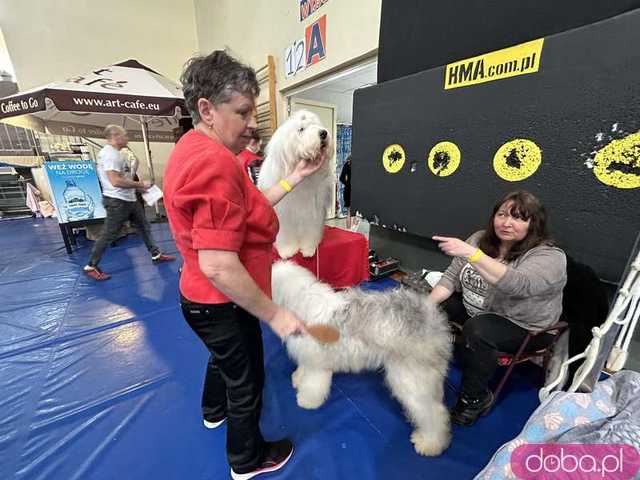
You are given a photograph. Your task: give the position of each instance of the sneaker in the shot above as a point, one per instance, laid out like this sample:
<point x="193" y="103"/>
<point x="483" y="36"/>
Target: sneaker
<point x="468" y="409"/>
<point x="161" y="258"/>
<point x="213" y="424"/>
<point x="277" y="454"/>
<point x="96" y="273"/>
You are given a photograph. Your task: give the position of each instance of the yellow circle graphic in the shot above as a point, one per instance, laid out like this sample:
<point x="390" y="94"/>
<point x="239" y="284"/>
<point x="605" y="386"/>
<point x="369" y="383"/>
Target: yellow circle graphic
<point x="393" y="158"/>
<point x="517" y="159"/>
<point x="444" y="159"/>
<point x="618" y="164"/>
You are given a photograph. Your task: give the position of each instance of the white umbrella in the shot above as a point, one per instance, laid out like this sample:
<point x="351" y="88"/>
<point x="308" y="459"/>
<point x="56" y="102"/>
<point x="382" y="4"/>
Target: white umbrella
<point x="129" y="94"/>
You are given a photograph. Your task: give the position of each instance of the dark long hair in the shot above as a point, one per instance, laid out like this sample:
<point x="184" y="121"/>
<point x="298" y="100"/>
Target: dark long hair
<point x="526" y="206"/>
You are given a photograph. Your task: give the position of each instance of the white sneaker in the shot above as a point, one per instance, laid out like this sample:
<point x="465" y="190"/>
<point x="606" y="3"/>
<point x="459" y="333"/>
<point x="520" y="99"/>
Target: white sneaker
<point x="213" y="424"/>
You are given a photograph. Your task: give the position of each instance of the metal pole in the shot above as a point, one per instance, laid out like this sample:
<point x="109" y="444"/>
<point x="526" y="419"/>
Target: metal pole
<point x="147" y="148"/>
<point x="147" y="154"/>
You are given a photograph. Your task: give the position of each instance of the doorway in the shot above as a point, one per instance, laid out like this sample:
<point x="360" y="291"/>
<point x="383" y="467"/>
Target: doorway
<point x="335" y="93"/>
<point x="327" y="115"/>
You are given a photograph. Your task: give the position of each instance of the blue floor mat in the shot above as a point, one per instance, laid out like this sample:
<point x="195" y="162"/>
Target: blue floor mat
<point x="103" y="381"/>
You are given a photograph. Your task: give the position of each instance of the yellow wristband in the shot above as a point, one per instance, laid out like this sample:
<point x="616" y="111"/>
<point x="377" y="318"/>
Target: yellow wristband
<point x="284" y="184"/>
<point x="476" y="256"/>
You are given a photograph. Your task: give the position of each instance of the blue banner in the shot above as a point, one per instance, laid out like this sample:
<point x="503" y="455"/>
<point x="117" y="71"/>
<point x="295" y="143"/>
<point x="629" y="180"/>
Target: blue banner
<point x="75" y="190"/>
<point x="343" y="150"/>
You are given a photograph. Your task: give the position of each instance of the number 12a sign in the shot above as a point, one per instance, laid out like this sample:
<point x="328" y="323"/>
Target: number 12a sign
<point x="308" y="50"/>
<point x="294" y="60"/>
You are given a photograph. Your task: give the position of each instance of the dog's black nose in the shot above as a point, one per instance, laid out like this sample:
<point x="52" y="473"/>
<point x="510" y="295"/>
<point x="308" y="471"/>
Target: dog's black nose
<point x="323" y="134"/>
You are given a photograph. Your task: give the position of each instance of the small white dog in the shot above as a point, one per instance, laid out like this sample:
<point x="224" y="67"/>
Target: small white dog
<point x="301" y="213"/>
<point x="396" y="329"/>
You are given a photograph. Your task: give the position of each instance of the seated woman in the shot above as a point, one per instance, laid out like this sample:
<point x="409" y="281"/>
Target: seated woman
<point x="503" y="283"/>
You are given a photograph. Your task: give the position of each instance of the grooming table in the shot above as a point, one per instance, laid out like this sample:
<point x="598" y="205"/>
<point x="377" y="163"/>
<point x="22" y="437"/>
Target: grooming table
<point x="341" y="260"/>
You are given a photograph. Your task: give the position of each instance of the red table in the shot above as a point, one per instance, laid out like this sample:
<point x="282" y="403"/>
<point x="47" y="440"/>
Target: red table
<point x="342" y="259"/>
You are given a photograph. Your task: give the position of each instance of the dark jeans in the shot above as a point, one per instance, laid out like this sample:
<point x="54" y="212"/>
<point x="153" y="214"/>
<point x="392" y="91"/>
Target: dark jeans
<point x="235" y="376"/>
<point x="118" y="212"/>
<point x="482" y="337"/>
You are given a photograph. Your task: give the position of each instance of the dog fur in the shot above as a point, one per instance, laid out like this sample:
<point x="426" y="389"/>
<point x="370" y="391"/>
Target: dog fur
<point x="301" y="213"/>
<point x="398" y="330"/>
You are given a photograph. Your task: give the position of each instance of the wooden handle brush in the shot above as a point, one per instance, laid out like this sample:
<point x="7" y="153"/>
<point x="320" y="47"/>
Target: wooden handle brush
<point x="323" y="333"/>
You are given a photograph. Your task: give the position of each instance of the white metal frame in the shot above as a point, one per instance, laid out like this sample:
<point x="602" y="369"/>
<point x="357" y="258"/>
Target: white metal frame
<point x="626" y="313"/>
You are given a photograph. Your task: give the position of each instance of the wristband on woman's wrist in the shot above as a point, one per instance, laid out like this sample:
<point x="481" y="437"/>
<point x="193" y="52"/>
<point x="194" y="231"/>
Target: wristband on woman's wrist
<point x="286" y="185"/>
<point x="477" y="255"/>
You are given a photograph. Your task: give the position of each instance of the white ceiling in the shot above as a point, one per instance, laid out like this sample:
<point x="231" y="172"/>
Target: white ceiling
<point x="339" y="92"/>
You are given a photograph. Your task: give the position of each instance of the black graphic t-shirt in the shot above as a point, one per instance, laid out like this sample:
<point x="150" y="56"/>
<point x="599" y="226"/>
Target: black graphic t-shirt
<point x="474" y="290"/>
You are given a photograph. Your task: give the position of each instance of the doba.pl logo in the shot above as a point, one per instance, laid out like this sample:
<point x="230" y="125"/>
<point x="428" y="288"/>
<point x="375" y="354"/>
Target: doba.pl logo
<point x="537" y="461"/>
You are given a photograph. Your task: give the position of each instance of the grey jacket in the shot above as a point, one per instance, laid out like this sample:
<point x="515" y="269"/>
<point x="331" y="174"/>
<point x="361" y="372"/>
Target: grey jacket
<point x="530" y="292"/>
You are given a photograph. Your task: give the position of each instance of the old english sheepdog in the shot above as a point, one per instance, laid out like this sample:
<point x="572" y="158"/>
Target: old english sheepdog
<point x="301" y="213"/>
<point x="398" y="330"/>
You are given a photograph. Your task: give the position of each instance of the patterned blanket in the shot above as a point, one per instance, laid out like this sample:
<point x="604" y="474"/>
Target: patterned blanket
<point x="610" y="414"/>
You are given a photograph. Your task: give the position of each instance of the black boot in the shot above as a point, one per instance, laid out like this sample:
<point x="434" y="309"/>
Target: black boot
<point x="468" y="409"/>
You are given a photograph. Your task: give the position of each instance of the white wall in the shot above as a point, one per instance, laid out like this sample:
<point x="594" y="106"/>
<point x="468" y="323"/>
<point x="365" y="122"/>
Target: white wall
<point x="342" y="101"/>
<point x="5" y="59"/>
<point x="339" y="91"/>
<point x="257" y="28"/>
<point x="50" y="40"/>
<point x="53" y="39"/>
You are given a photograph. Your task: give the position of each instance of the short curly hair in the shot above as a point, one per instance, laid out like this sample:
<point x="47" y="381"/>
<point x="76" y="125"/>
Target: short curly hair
<point x="216" y="77"/>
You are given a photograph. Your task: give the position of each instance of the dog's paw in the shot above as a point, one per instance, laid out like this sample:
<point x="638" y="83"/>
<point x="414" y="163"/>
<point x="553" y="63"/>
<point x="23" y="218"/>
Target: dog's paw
<point x="309" y="402"/>
<point x="287" y="250"/>
<point x="295" y="377"/>
<point x="429" y="445"/>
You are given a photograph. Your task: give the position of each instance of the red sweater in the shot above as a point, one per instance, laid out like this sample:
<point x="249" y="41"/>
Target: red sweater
<point x="247" y="157"/>
<point x="213" y="205"/>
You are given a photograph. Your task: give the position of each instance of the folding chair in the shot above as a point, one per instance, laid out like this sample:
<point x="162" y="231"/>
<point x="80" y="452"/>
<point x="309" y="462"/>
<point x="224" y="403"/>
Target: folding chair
<point x="511" y="360"/>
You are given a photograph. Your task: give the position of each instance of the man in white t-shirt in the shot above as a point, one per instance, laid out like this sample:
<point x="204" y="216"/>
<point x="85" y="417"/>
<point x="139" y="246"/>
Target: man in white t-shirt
<point x="119" y="199"/>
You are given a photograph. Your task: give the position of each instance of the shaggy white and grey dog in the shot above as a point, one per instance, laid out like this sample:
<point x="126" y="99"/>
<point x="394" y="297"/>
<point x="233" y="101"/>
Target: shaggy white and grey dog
<point x="301" y="213"/>
<point x="398" y="330"/>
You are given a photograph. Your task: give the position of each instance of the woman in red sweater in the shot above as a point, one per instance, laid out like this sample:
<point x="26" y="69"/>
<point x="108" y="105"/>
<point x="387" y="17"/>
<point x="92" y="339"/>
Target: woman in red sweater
<point x="224" y="228"/>
<point x="250" y="158"/>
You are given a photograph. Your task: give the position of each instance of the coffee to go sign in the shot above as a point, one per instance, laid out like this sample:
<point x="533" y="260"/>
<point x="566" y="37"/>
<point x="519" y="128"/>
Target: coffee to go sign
<point x="307" y="51"/>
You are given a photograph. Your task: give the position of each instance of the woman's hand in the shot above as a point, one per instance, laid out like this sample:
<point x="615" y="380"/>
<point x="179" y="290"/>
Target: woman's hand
<point x="439" y="294"/>
<point x="489" y="268"/>
<point x="454" y="247"/>
<point x="306" y="167"/>
<point x="285" y="323"/>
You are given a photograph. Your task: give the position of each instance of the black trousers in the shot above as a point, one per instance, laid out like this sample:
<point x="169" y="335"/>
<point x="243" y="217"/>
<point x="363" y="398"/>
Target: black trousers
<point x="235" y="376"/>
<point x="482" y="337"/>
<point x="118" y="212"/>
